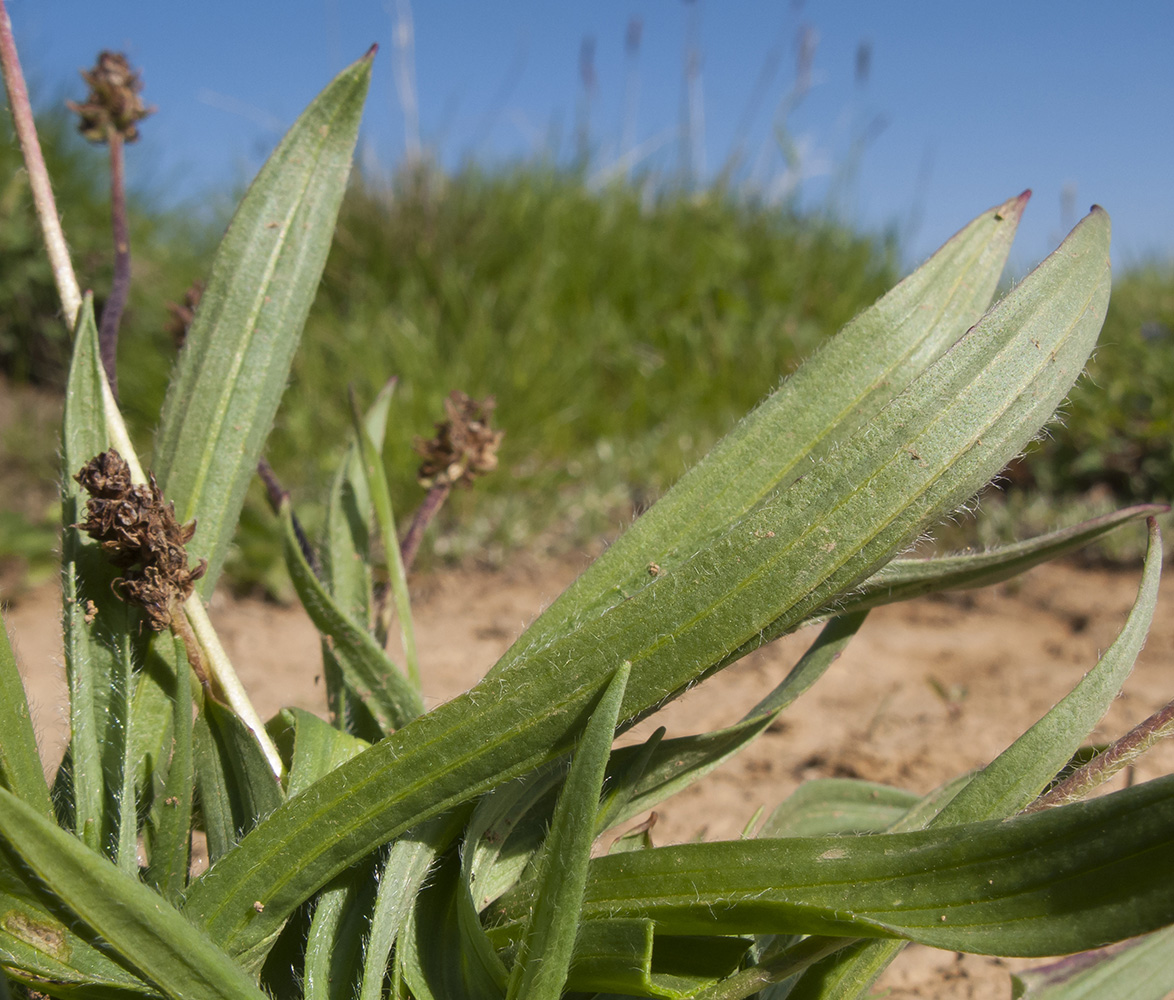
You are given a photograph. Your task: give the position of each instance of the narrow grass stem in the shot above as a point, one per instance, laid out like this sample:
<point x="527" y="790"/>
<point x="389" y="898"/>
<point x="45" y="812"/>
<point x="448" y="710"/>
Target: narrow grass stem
<point x="22" y="117"/>
<point x="1114" y="758"/>
<point x="120" y="287"/>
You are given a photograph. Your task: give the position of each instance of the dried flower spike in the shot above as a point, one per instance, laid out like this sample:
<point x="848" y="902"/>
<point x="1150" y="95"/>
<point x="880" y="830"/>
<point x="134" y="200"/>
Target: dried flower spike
<point x="113" y="105"/>
<point x="138" y="532"/>
<point x="465" y="446"/>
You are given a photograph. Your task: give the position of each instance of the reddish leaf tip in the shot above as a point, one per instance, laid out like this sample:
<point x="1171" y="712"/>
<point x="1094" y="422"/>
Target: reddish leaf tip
<point x="370" y="53"/>
<point x="1025" y="196"/>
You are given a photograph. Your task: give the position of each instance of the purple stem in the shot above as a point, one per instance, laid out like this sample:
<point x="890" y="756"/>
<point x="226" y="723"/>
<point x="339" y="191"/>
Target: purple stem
<point x="424" y="515"/>
<point x="278" y="494"/>
<point x="1112" y="759"/>
<point x="120" y="288"/>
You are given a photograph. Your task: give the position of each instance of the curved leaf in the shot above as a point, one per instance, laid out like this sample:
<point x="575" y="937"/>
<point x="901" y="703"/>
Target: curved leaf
<point x="838" y="806"/>
<point x="39" y="947"/>
<point x="138" y="925"/>
<point x="1012" y="780"/>
<point x="933" y="446"/>
<point x="20" y="767"/>
<point x="904" y="579"/>
<point x="832" y="395"/>
<point x="404" y="873"/>
<point x="389" y="696"/>
<point x="1074" y="878"/>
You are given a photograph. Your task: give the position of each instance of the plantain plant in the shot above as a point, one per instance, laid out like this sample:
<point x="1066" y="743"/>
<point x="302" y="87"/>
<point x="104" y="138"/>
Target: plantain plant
<point x="451" y="853"/>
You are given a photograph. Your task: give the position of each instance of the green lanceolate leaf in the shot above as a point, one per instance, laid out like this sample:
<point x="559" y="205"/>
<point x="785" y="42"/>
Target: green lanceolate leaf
<point x="1013" y="779"/>
<point x="346" y="546"/>
<point x="408" y="862"/>
<point x="838" y="806"/>
<point x="96" y="624"/>
<point x="504" y="835"/>
<point x="41" y="946"/>
<point x="965" y="413"/>
<point x="429" y="951"/>
<point x="236" y="786"/>
<point x="1140" y="970"/>
<point x="347" y="554"/>
<point x="20" y="767"/>
<point x="235" y="361"/>
<point x="904" y="579"/>
<point x="1073" y="878"/>
<point x="941" y="439"/>
<point x="334" y="945"/>
<point x="390" y="697"/>
<point x="376" y="478"/>
<point x="544" y="953"/>
<point x="318" y="748"/>
<point x="832" y="395"/>
<point x="170" y="838"/>
<point x="136" y="924"/>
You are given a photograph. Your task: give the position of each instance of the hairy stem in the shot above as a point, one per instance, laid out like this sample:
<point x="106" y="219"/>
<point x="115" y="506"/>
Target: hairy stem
<point x="181" y="628"/>
<point x="30" y="146"/>
<point x="1112" y="759"/>
<point x="120" y="288"/>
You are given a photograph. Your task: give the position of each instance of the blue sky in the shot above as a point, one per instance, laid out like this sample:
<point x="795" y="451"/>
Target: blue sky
<point x="964" y="105"/>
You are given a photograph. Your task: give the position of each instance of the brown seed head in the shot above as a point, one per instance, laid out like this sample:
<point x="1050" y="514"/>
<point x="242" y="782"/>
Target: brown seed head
<point x="138" y="532"/>
<point x="465" y="446"/>
<point x="113" y="104"/>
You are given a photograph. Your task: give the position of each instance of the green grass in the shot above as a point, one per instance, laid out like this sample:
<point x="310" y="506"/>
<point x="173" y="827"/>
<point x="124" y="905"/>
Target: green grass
<point x="621" y="330"/>
<point x="1118" y="431"/>
<point x="620" y="334"/>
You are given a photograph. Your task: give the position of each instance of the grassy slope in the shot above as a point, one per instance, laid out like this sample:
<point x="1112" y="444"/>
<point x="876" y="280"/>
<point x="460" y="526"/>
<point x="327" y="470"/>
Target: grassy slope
<point x="621" y="331"/>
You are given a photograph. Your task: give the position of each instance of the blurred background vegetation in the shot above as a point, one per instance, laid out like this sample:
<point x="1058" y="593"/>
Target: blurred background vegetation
<point x="622" y="329"/>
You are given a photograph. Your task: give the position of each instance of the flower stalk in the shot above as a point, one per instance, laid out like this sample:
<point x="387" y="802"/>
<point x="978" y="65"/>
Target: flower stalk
<point x="110" y="114"/>
<point x="68" y="289"/>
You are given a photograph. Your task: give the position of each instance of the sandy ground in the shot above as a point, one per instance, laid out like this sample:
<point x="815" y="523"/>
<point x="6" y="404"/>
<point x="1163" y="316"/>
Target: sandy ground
<point x="927" y="689"/>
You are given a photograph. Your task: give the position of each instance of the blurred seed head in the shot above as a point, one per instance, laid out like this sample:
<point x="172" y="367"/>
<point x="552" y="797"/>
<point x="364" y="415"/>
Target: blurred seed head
<point x="113" y="105"/>
<point x="465" y="446"/>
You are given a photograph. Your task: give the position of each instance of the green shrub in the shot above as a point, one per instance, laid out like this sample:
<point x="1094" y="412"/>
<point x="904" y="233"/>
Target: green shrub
<point x="449" y="853"/>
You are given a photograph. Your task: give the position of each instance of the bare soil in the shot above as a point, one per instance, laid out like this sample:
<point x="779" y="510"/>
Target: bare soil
<point x="927" y="690"/>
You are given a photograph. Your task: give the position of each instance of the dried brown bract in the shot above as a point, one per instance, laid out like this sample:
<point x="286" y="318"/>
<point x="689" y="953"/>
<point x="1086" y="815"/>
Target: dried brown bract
<point x="465" y="446"/>
<point x="138" y="532"/>
<point x="113" y="104"/>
